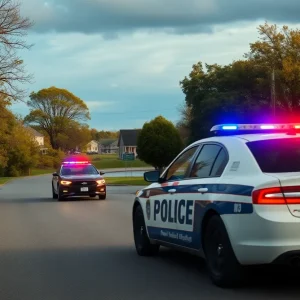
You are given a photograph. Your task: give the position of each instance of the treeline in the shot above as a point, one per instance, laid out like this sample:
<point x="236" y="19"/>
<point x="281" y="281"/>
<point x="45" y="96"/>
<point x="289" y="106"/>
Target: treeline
<point x="244" y="90"/>
<point x="102" y="134"/>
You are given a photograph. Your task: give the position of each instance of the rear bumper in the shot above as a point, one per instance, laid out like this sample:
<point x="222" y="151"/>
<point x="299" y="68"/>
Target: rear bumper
<point x="69" y="191"/>
<point x="263" y="236"/>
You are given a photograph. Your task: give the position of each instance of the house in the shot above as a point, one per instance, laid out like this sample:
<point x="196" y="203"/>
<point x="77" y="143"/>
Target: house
<point x="109" y="146"/>
<point x="39" y="138"/>
<point x="128" y="141"/>
<point x="92" y="147"/>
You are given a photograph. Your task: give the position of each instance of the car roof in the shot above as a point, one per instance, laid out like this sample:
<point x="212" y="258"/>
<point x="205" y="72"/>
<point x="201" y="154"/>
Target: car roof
<point x="249" y="137"/>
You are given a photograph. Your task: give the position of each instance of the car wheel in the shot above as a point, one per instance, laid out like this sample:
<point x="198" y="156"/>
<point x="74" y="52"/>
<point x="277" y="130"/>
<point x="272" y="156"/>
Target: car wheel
<point x="102" y="197"/>
<point x="224" y="269"/>
<point x="54" y="195"/>
<point x="141" y="240"/>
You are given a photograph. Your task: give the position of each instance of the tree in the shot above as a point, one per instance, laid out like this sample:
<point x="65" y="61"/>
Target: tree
<point x="18" y="149"/>
<point x="241" y="91"/>
<point x="107" y="134"/>
<point x="183" y="126"/>
<point x="13" y="29"/>
<point x="237" y="92"/>
<point x="158" y="143"/>
<point x="278" y="50"/>
<point x="75" y="135"/>
<point x="54" y="110"/>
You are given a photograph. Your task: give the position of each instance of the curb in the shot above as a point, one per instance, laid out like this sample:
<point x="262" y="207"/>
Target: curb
<point x="3" y="184"/>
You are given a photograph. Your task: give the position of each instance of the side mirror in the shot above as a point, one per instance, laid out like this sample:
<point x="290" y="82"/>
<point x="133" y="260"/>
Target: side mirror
<point x="55" y="174"/>
<point x="152" y="176"/>
<point x="102" y="173"/>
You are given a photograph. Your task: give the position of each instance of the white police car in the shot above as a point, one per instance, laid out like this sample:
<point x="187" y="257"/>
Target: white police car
<point x="233" y="198"/>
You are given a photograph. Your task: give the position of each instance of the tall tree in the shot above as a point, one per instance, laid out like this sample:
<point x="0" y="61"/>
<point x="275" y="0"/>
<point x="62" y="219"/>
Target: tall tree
<point x="54" y="109"/>
<point x="278" y="50"/>
<point x="241" y="91"/>
<point x="75" y="135"/>
<point x="158" y="143"/>
<point x="233" y="93"/>
<point x="13" y="29"/>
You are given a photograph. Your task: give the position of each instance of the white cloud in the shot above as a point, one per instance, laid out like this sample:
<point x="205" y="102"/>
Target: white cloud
<point x="99" y="105"/>
<point x="138" y="61"/>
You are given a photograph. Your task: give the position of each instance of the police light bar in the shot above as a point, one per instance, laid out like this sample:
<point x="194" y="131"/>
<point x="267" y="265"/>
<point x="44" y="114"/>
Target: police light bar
<point x="255" y="127"/>
<point x="76" y="162"/>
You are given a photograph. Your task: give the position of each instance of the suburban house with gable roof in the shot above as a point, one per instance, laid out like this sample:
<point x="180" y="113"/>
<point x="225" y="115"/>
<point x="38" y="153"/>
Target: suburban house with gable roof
<point x="92" y="147"/>
<point x="128" y="141"/>
<point x="109" y="146"/>
<point x="38" y="137"/>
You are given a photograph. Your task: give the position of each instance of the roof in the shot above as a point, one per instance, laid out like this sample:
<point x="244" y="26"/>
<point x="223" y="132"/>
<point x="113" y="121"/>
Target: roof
<point x="248" y="137"/>
<point x="34" y="132"/>
<point x="266" y="136"/>
<point x="106" y="142"/>
<point x="92" y="141"/>
<point x="129" y="136"/>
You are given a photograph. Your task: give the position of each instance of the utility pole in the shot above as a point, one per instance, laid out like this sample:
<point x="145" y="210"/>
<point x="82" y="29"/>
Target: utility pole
<point x="273" y="92"/>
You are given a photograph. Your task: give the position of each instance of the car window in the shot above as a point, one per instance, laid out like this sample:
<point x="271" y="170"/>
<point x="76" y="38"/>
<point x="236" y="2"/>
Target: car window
<point x="219" y="164"/>
<point x="178" y="170"/>
<point x="205" y="161"/>
<point x="277" y="155"/>
<point x="78" y="170"/>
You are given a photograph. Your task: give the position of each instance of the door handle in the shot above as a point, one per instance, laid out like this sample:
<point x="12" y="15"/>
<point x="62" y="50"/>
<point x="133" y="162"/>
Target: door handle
<point x="172" y="191"/>
<point x="203" y="190"/>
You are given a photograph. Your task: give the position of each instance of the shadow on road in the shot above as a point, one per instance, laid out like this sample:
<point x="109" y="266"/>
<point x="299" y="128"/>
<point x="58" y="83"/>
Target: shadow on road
<point x="278" y="279"/>
<point x="118" y="273"/>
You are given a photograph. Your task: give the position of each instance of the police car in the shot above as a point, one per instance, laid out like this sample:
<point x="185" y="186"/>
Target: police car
<point x="233" y="198"/>
<point x="78" y="177"/>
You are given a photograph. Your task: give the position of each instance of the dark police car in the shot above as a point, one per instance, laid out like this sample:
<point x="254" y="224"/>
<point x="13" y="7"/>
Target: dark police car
<point x="78" y="177"/>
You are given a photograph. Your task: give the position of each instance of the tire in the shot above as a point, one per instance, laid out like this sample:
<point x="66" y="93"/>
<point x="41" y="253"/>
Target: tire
<point x="54" y="195"/>
<point x="224" y="269"/>
<point x="102" y="197"/>
<point x="142" y="243"/>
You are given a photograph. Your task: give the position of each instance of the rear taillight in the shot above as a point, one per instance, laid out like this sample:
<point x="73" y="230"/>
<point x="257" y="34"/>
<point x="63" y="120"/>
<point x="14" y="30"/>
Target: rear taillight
<point x="277" y="195"/>
<point x="269" y="196"/>
<point x="291" y="194"/>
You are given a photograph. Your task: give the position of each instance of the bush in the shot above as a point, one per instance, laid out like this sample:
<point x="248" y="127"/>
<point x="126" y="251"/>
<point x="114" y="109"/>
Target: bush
<point x="51" y="160"/>
<point x="22" y="152"/>
<point x="158" y="143"/>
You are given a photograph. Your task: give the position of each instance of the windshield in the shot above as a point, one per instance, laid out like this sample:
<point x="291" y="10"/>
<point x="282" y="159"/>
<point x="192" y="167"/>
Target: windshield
<point x="278" y="155"/>
<point x="78" y="170"/>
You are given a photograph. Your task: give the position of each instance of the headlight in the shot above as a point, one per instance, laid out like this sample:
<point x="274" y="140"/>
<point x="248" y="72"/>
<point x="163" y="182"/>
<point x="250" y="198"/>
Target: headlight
<point x="65" y="182"/>
<point x="100" y="182"/>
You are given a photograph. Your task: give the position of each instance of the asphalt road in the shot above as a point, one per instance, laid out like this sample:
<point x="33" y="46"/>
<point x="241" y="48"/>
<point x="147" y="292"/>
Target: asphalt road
<point x="83" y="249"/>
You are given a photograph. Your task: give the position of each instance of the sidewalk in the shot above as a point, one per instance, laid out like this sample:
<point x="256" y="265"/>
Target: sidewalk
<point x="126" y="170"/>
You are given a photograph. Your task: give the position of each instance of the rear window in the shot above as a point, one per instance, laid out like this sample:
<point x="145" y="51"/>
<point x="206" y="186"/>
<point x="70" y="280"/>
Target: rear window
<point x="278" y="155"/>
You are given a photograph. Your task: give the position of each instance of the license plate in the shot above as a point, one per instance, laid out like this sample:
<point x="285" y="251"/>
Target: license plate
<point x="84" y="189"/>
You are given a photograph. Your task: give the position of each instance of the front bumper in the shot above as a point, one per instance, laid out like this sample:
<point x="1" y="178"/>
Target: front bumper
<point x="263" y="236"/>
<point x="70" y="191"/>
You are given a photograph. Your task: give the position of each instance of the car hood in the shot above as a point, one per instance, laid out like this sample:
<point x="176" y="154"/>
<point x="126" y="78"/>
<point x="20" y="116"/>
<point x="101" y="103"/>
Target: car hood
<point x="82" y="177"/>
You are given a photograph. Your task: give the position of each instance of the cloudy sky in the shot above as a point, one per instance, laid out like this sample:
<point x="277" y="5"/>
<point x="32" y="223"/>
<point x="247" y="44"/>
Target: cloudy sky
<point x="125" y="58"/>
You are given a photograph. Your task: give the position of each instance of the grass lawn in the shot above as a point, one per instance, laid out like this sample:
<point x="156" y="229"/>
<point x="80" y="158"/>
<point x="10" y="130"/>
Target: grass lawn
<point x="34" y="172"/>
<point x="126" y="180"/>
<point x="4" y="179"/>
<point x="111" y="161"/>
